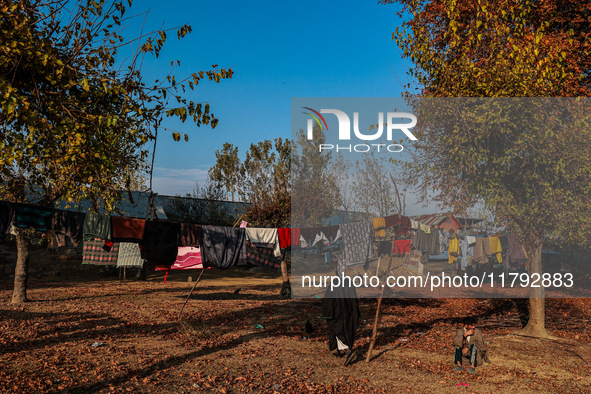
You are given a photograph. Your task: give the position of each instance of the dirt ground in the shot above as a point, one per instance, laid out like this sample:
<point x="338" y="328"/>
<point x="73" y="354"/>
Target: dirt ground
<point x="218" y="345"/>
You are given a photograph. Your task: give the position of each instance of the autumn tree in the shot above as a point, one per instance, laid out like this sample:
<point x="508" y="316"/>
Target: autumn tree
<point x="265" y="182"/>
<point x="374" y="191"/>
<point x="531" y="177"/>
<point x="315" y="181"/>
<point x="226" y="170"/>
<point x="74" y="120"/>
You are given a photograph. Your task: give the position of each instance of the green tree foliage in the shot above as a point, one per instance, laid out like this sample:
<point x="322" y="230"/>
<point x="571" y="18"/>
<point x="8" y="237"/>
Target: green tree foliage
<point x="226" y="170"/>
<point x="533" y="178"/>
<point x="265" y="182"/>
<point x="74" y="121"/>
<point x="262" y="179"/>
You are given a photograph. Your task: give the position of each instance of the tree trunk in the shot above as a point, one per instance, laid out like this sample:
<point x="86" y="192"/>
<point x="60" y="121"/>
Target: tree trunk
<point x="537" y="312"/>
<point x="284" y="271"/>
<point x="21" y="271"/>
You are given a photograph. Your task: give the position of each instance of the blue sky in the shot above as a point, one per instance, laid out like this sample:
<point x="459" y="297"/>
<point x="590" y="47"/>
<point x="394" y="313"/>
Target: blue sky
<point x="278" y="50"/>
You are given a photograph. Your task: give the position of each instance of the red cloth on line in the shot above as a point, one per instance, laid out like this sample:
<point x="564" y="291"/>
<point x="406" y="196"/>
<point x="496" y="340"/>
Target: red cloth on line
<point x="295" y="236"/>
<point x="128" y="228"/>
<point x="402" y="246"/>
<point x="400" y="223"/>
<point x="284" y="237"/>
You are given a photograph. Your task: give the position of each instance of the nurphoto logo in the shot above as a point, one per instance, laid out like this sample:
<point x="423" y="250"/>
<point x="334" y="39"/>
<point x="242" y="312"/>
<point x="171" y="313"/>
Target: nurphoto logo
<point x="344" y="132"/>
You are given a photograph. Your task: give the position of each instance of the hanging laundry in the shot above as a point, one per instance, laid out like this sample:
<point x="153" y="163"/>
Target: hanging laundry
<point x="515" y="255"/>
<point x="453" y="250"/>
<point x="159" y="245"/>
<point x="384" y="248"/>
<point x="330" y="242"/>
<point x="464" y="254"/>
<point x="495" y="248"/>
<point x="400" y="223"/>
<point x="67" y="224"/>
<point x="243" y="224"/>
<point x="379" y="226"/>
<point x="262" y="257"/>
<point x="433" y="236"/>
<point x="357" y="243"/>
<point x="482" y="251"/>
<point x="127" y="229"/>
<point x="426" y="229"/>
<point x="402" y="246"/>
<point x="414" y="225"/>
<point x="93" y="253"/>
<point x="309" y="237"/>
<point x="295" y="236"/>
<point x="330" y="234"/>
<point x="427" y="242"/>
<point x="444" y="237"/>
<point x="6" y="213"/>
<point x="265" y="235"/>
<point x="262" y="244"/>
<point x="189" y="235"/>
<point x="223" y="247"/>
<point x="284" y="237"/>
<point x="129" y="255"/>
<point x="97" y="226"/>
<point x="188" y="258"/>
<point x="26" y="215"/>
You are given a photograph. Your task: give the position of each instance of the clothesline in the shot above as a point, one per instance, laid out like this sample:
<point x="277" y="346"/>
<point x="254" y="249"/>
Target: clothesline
<point x="128" y="242"/>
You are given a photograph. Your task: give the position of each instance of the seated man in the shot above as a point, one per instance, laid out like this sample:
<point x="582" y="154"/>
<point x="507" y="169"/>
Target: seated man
<point x="469" y="346"/>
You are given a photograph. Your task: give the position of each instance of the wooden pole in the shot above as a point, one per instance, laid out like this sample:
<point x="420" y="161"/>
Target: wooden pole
<point x="189" y="296"/>
<point x="239" y="220"/>
<point x="377" y="318"/>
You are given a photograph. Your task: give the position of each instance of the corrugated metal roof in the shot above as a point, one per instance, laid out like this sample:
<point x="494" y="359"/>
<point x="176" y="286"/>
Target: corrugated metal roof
<point x="446" y="221"/>
<point x="137" y="206"/>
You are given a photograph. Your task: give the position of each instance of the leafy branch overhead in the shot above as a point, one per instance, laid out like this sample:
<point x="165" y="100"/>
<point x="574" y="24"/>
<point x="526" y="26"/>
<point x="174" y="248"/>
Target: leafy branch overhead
<point x="75" y="119"/>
